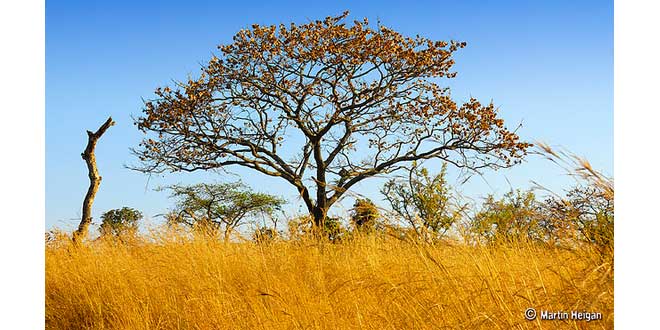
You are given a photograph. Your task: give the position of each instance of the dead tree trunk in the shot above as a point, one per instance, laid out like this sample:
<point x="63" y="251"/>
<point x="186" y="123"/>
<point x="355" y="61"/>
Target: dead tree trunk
<point x="94" y="179"/>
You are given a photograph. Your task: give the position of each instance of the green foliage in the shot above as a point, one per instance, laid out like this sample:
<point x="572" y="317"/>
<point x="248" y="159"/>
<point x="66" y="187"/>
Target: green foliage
<point x="587" y="209"/>
<point x="219" y="207"/>
<point x="364" y="215"/>
<point x="120" y="222"/>
<point x="586" y="214"/>
<point x="425" y="201"/>
<point x="333" y="228"/>
<point x="517" y="215"/>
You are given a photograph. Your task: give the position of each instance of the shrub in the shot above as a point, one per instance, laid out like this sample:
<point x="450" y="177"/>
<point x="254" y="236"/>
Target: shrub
<point x="364" y="215"/>
<point x="589" y="211"/>
<point x="120" y="222"/>
<point x="303" y="227"/>
<point x="517" y="215"/>
<point x="425" y="201"/>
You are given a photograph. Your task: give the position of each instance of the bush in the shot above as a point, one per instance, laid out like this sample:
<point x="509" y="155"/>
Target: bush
<point x="303" y="227"/>
<point x="516" y="216"/>
<point x="425" y="201"/>
<point x="364" y="215"/>
<point x="120" y="222"/>
<point x="587" y="210"/>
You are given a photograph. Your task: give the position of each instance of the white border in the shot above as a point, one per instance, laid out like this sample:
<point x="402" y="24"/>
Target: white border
<point x="22" y="64"/>
<point x="22" y="26"/>
<point x="636" y="127"/>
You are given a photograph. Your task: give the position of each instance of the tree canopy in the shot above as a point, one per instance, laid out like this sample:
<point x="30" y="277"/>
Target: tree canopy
<point x="425" y="201"/>
<point x="322" y="105"/>
<point x="119" y="222"/>
<point x="219" y="207"/>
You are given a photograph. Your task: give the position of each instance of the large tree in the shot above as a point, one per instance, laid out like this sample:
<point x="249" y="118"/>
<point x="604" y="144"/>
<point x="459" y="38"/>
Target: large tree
<point x="322" y="105"/>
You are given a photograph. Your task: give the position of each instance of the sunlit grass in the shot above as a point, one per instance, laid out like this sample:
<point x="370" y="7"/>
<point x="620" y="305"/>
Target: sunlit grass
<point x="370" y="283"/>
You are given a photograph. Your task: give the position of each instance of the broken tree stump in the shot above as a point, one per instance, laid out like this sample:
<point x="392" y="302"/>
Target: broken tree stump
<point x="94" y="179"/>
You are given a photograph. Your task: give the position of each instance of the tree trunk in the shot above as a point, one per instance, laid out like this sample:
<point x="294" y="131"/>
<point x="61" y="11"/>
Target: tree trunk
<point x="227" y="235"/>
<point x="94" y="179"/>
<point x="321" y="208"/>
<point x="319" y="216"/>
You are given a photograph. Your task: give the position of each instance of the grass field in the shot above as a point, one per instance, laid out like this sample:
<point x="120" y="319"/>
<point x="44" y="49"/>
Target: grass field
<point x="370" y="283"/>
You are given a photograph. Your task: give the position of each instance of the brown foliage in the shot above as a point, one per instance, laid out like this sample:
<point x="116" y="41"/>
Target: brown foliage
<point x="347" y="102"/>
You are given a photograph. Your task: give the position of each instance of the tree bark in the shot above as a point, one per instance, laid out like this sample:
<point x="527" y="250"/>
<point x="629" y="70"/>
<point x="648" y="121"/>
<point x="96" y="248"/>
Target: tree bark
<point x="94" y="179"/>
<point x="227" y="235"/>
<point x="319" y="214"/>
<point x="321" y="207"/>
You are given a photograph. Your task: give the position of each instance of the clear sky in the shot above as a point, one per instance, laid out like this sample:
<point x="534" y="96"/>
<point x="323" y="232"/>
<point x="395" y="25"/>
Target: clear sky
<point x="546" y="64"/>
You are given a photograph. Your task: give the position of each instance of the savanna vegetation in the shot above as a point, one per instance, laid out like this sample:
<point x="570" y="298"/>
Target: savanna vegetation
<point x="375" y="282"/>
<point x="324" y="106"/>
<point x="372" y="270"/>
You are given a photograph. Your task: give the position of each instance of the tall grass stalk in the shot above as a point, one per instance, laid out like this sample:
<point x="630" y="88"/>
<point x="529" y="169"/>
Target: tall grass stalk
<point x="175" y="282"/>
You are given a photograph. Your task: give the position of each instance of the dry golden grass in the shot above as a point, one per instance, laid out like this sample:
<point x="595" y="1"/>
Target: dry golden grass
<point x="371" y="283"/>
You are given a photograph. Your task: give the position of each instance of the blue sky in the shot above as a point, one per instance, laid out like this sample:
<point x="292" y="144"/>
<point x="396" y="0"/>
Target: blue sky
<point x="546" y="64"/>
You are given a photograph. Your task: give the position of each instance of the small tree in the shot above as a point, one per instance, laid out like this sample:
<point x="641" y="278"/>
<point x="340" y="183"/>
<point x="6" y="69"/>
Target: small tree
<point x="323" y="106"/>
<point x="587" y="209"/>
<point x="425" y="201"/>
<point x="517" y="215"/>
<point x="120" y="222"/>
<point x="216" y="208"/>
<point x="364" y="215"/>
